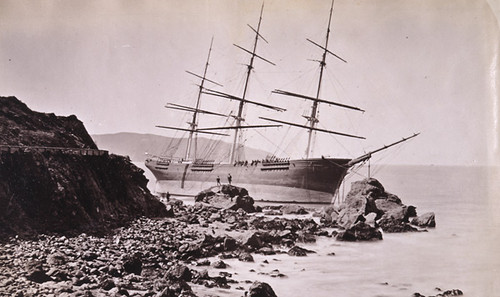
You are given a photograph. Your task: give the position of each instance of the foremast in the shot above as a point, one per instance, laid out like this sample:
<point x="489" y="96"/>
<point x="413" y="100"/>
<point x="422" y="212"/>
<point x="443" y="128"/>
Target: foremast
<point x="194" y="122"/>
<point x="193" y="125"/>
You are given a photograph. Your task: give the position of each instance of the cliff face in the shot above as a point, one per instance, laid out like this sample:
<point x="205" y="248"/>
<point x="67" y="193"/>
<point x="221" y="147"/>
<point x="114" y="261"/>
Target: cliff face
<point x="19" y="125"/>
<point x="57" y="191"/>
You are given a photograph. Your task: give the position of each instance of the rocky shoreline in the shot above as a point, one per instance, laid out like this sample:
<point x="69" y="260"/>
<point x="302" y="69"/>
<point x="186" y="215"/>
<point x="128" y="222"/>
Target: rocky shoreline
<point x="167" y="256"/>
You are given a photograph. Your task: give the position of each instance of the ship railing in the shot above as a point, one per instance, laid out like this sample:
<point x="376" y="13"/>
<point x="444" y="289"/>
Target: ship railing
<point x="203" y="162"/>
<point x="276" y="161"/>
<point x="163" y="161"/>
<point x="203" y="165"/>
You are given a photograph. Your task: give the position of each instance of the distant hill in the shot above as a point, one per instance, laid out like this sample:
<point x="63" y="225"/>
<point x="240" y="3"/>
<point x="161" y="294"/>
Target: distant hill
<point x="136" y="145"/>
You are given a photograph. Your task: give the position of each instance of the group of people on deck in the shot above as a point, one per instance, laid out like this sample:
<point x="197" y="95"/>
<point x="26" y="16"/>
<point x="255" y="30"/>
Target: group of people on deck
<point x="264" y="161"/>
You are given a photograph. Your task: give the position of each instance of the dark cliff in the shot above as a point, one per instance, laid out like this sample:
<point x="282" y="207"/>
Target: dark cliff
<point x="63" y="191"/>
<point x="19" y="125"/>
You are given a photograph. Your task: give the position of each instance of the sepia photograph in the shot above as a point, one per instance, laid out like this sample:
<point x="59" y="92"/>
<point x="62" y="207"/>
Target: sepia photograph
<point x="250" y="148"/>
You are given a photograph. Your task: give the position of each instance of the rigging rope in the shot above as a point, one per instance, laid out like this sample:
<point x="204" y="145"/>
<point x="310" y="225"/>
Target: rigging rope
<point x="277" y="147"/>
<point x="332" y="79"/>
<point x="336" y="140"/>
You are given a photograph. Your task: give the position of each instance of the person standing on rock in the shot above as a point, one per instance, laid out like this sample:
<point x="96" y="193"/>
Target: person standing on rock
<point x="229" y="178"/>
<point x="218" y="180"/>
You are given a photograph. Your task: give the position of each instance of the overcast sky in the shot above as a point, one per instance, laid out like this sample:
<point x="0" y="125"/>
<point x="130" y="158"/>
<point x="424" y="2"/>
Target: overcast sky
<point x="413" y="65"/>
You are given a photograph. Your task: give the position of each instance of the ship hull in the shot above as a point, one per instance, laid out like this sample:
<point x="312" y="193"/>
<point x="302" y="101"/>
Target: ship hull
<point x="301" y="181"/>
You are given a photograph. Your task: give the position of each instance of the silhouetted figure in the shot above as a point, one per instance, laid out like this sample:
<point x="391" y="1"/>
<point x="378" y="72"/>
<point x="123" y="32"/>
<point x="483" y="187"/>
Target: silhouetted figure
<point x="218" y="180"/>
<point x="168" y="196"/>
<point x="229" y="178"/>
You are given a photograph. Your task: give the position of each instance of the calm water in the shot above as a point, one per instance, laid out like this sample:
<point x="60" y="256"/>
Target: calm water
<point x="461" y="252"/>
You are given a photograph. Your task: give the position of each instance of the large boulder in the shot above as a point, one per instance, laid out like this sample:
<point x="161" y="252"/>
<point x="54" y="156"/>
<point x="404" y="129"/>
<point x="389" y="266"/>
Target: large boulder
<point x="233" y="191"/>
<point x="36" y="273"/>
<point x="298" y="251"/>
<point x="253" y="239"/>
<point x="204" y="195"/>
<point x="261" y="289"/>
<point x="179" y="272"/>
<point x="392" y="225"/>
<point x="227" y="197"/>
<point x="360" y="232"/>
<point x="368" y="187"/>
<point x="368" y="200"/>
<point x="425" y="220"/>
<point x="293" y="209"/>
<point x="328" y="215"/>
<point x="133" y="263"/>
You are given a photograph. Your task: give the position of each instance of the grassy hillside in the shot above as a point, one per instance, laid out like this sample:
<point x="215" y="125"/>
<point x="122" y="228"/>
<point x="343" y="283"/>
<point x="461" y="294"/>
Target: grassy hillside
<point x="136" y="146"/>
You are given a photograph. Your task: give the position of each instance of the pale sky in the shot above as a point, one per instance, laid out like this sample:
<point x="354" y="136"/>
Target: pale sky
<point x="413" y="65"/>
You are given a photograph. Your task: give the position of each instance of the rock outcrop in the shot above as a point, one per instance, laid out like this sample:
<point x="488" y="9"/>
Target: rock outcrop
<point x="425" y="220"/>
<point x="19" y="125"/>
<point x="261" y="289"/>
<point x="227" y="197"/>
<point x="293" y="209"/>
<point x="63" y="190"/>
<point x="360" y="232"/>
<point x="367" y="207"/>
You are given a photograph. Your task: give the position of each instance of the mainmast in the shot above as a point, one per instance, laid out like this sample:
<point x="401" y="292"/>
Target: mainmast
<point x="243" y="99"/>
<point x="239" y="117"/>
<point x="312" y="119"/>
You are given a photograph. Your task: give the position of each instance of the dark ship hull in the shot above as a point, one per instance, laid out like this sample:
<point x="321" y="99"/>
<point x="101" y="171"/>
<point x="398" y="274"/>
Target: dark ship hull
<point x="302" y="181"/>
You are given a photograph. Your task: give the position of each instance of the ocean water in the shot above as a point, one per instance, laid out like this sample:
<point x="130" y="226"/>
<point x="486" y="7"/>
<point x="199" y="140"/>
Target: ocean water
<point x="462" y="252"/>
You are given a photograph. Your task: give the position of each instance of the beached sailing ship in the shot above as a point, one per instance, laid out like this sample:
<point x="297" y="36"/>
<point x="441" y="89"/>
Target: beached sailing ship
<point x="307" y="180"/>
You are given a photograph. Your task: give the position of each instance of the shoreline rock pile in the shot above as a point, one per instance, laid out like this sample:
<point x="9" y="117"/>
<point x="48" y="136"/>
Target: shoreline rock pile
<point x="156" y="257"/>
<point x="150" y="257"/>
<point x="369" y="208"/>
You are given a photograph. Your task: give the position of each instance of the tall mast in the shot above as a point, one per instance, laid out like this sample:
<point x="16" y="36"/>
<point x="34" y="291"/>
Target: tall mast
<point x="313" y="120"/>
<point x="239" y="117"/>
<point x="243" y="98"/>
<point x="194" y="124"/>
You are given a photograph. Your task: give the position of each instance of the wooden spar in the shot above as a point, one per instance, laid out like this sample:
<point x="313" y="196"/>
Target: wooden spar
<point x="314" y="109"/>
<point x="189" y="130"/>
<point x="240" y="127"/>
<point x="232" y="97"/>
<point x="254" y="54"/>
<point x="262" y="37"/>
<point x="192" y="109"/>
<point x="204" y="78"/>
<point x="286" y="93"/>
<point x="326" y="50"/>
<point x="369" y="154"/>
<point x="315" y="129"/>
